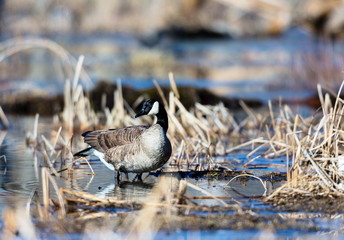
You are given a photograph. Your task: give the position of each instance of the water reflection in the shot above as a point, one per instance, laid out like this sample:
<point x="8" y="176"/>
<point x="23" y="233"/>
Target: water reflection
<point x="132" y="190"/>
<point x="126" y="190"/>
<point x="18" y="180"/>
<point x="103" y="184"/>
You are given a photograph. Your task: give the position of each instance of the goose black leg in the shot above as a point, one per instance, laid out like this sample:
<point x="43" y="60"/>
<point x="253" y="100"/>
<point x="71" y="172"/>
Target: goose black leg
<point x="139" y="177"/>
<point x="118" y="177"/>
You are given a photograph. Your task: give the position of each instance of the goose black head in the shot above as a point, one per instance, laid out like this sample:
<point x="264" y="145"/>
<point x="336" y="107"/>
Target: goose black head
<point x="150" y="107"/>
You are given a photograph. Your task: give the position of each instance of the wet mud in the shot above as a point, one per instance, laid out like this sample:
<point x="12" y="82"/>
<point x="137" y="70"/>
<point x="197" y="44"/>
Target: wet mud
<point x="329" y="203"/>
<point x="120" y="221"/>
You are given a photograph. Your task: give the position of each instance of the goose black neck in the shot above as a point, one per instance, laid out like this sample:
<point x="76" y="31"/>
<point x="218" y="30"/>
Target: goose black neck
<point x="162" y="118"/>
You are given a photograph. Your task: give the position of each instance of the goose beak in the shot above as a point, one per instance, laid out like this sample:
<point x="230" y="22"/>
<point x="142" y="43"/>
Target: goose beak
<point x="140" y="114"/>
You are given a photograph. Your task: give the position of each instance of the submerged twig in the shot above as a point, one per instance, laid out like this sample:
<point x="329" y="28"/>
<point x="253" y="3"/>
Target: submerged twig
<point x="249" y="175"/>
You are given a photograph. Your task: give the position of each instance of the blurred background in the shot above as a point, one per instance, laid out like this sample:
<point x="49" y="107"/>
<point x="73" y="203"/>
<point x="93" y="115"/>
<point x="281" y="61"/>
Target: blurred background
<point x="249" y="49"/>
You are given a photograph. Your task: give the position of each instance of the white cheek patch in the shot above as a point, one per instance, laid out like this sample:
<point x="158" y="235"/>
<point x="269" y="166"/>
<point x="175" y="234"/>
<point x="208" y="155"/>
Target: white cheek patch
<point x="155" y="109"/>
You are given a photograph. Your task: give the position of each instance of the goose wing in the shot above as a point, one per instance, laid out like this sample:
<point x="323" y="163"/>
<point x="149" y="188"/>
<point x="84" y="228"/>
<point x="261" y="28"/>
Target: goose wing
<point x="103" y="140"/>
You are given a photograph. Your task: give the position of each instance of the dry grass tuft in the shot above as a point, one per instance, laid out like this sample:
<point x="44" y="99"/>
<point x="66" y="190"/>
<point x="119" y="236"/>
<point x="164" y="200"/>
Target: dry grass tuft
<point x="77" y="107"/>
<point x="313" y="146"/>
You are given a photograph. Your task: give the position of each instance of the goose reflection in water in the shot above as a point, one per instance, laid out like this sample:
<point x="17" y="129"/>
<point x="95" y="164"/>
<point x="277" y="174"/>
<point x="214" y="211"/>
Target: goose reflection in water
<point x="126" y="190"/>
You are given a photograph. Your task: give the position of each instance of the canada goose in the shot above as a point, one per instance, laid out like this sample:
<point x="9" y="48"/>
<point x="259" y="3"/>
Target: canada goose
<point x="134" y="149"/>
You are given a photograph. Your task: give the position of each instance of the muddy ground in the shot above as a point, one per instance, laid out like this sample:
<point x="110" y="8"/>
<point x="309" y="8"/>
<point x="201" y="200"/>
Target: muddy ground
<point x="122" y="221"/>
<point x="329" y="203"/>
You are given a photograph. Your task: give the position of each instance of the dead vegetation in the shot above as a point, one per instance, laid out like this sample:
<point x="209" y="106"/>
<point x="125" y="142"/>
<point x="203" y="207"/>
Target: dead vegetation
<point x="4" y="125"/>
<point x="54" y="208"/>
<point x="197" y="135"/>
<point x="313" y="147"/>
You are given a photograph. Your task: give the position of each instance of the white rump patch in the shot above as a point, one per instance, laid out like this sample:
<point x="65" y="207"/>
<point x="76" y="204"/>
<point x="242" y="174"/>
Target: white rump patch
<point x="155" y="109"/>
<point x="100" y="155"/>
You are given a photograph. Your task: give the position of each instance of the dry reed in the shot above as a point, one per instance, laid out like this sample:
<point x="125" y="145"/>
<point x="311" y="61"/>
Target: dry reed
<point x="313" y="146"/>
<point x="3" y="133"/>
<point x="55" y="154"/>
<point x="4" y="119"/>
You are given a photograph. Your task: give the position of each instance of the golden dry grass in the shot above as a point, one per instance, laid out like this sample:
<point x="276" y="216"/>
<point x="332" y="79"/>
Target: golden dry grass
<point x="313" y="146"/>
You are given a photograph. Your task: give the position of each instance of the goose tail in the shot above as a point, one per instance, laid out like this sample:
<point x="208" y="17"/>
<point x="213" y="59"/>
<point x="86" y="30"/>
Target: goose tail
<point x="84" y="153"/>
<point x="89" y="151"/>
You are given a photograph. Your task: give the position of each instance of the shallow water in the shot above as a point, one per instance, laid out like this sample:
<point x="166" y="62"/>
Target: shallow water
<point x="245" y="234"/>
<point x="18" y="180"/>
<point x="18" y="176"/>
